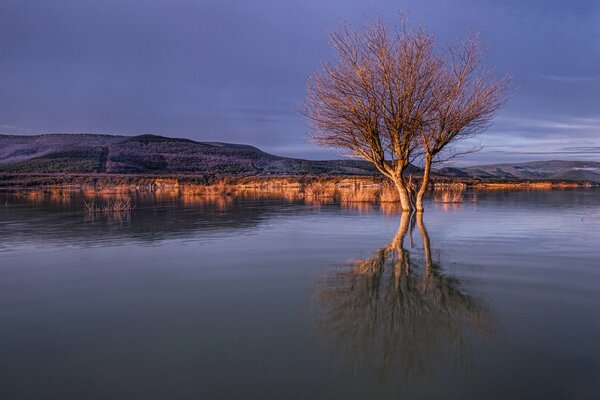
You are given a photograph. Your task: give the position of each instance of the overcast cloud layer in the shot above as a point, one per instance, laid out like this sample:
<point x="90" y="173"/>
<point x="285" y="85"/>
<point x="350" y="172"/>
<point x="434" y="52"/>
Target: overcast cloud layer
<point x="236" y="71"/>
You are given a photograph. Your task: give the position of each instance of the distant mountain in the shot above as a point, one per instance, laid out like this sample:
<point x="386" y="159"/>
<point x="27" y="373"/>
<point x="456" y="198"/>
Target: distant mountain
<point x="87" y="153"/>
<point x="534" y="170"/>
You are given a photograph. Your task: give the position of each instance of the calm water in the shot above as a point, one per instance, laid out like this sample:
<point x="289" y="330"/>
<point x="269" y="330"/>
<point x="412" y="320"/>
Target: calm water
<point x="270" y="299"/>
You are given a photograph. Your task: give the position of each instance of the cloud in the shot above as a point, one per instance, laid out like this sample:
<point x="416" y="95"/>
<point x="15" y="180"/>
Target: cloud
<point x="582" y="149"/>
<point x="492" y="156"/>
<point x="564" y="150"/>
<point x="572" y="79"/>
<point x="564" y="123"/>
<point x="550" y="129"/>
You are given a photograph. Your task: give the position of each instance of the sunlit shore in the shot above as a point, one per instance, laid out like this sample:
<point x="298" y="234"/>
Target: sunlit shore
<point x="118" y="193"/>
<point x="212" y="184"/>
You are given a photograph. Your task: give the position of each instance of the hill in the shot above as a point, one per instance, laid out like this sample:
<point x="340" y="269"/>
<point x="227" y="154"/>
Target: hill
<point x="85" y="153"/>
<point x="151" y="154"/>
<point x="554" y="170"/>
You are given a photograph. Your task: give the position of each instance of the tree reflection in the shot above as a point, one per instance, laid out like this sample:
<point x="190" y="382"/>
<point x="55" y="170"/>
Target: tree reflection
<point x="395" y="312"/>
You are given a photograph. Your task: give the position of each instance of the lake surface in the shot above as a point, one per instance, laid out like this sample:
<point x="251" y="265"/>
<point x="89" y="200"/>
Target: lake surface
<point x="263" y="298"/>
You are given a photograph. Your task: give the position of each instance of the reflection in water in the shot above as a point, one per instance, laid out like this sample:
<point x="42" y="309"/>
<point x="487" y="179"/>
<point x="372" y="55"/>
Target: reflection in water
<point x="397" y="313"/>
<point x="204" y="297"/>
<point x="45" y="218"/>
<point x="54" y="215"/>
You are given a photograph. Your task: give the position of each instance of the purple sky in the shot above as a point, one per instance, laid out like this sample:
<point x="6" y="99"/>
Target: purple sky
<point x="235" y="70"/>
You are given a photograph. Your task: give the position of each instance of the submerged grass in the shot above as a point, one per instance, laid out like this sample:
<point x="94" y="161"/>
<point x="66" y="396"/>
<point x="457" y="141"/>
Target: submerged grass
<point x="448" y="196"/>
<point x="362" y="193"/>
<point x="112" y="206"/>
<point x="388" y="193"/>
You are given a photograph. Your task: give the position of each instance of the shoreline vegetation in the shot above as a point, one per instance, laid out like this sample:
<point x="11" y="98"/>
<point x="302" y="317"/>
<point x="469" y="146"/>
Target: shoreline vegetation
<point x="114" y="193"/>
<point x="210" y="184"/>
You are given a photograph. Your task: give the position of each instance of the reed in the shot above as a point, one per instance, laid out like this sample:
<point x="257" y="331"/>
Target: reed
<point x="319" y="190"/>
<point x="448" y="196"/>
<point x="388" y="193"/>
<point x="358" y="194"/>
<point x="112" y="206"/>
<point x="220" y="188"/>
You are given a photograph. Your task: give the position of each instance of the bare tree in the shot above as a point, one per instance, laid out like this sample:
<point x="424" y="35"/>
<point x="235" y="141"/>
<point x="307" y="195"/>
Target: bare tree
<point x="392" y="99"/>
<point x="370" y="101"/>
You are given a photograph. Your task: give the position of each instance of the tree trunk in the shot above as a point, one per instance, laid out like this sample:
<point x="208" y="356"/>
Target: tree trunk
<point x="424" y="183"/>
<point x="403" y="193"/>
